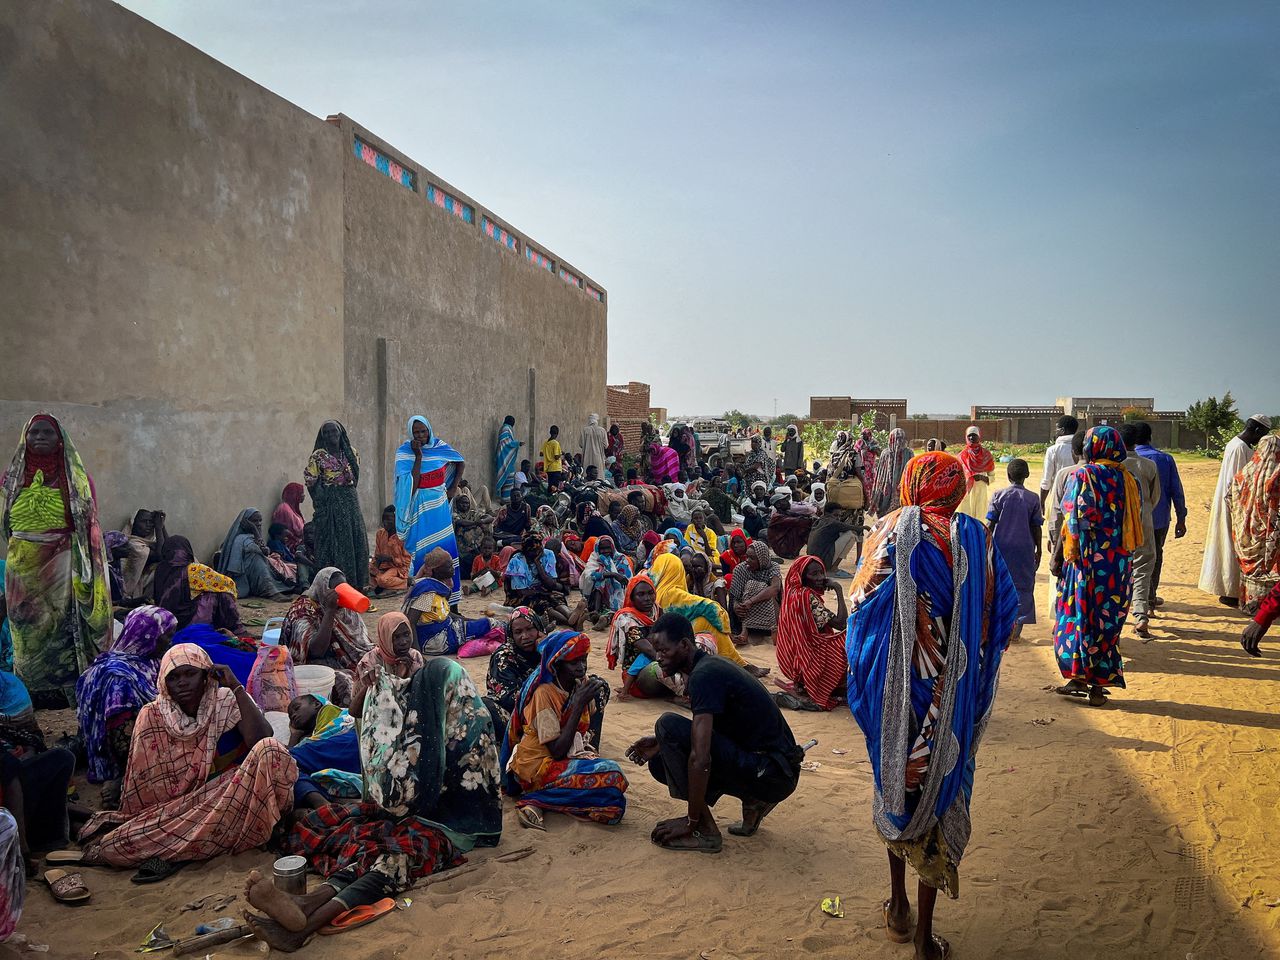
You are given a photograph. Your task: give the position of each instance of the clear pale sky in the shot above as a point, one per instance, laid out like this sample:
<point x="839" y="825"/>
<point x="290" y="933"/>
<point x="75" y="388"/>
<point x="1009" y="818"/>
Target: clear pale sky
<point x="954" y="202"/>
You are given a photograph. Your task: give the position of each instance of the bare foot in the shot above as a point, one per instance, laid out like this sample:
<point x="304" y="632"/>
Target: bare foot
<point x="276" y="904"/>
<point x="274" y="935"/>
<point x="897" y="921"/>
<point x="757" y="671"/>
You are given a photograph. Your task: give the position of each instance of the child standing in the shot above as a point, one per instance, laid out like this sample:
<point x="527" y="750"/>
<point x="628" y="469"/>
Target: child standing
<point x="1015" y="518"/>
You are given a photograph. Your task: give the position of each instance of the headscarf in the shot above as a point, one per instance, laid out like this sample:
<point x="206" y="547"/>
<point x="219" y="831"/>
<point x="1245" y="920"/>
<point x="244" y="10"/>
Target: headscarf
<point x="889" y="469"/>
<point x="91" y="588"/>
<point x="560" y="646"/>
<point x="865" y="447"/>
<point x="546" y="521"/>
<point x="1104" y="450"/>
<point x="1255" y="511"/>
<point x="231" y="560"/>
<point x="669" y="582"/>
<point x="119" y="682"/>
<point x="617" y="563"/>
<point x="331" y="721"/>
<point x="173" y="753"/>
<point x="629" y="612"/>
<point x="383" y="655"/>
<point x="976" y="459"/>
<point x="935" y="484"/>
<point x="435" y="454"/>
<point x="630" y="521"/>
<point x="344" y="448"/>
<point x="673" y="533"/>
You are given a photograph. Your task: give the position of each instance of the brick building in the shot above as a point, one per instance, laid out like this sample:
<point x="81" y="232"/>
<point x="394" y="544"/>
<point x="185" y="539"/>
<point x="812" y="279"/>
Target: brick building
<point x="627" y="405"/>
<point x="847" y="408"/>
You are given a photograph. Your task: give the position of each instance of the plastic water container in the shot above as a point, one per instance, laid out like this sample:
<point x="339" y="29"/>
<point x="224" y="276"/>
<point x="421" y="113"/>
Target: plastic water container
<point x="279" y="725"/>
<point x="314" y="678"/>
<point x="351" y="598"/>
<point x="271" y="632"/>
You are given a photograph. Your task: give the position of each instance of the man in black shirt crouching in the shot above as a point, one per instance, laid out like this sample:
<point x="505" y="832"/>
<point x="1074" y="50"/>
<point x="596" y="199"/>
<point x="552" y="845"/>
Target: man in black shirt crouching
<point x="737" y="743"/>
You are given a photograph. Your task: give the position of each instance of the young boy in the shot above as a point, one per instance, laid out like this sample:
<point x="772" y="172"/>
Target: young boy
<point x="486" y="559"/>
<point x="553" y="458"/>
<point x="389" y="568"/>
<point x="1015" y="520"/>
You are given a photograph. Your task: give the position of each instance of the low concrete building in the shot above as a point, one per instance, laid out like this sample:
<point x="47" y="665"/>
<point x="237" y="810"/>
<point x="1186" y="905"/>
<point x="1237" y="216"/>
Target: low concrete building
<point x="198" y="274"/>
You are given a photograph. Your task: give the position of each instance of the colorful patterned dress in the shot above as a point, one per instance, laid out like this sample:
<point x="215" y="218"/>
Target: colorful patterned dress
<point x="1101" y="526"/>
<point x="341" y="538"/>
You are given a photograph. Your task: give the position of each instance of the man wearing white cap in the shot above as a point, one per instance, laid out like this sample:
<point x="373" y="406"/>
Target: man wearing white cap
<point x="1220" y="573"/>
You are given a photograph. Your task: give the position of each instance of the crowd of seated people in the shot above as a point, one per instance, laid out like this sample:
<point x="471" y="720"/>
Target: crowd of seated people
<point x="154" y="653"/>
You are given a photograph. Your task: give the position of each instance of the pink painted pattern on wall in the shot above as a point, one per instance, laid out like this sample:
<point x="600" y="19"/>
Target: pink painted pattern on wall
<point x="383" y="164"/>
<point x="450" y="203"/>
<point x="503" y="237"/>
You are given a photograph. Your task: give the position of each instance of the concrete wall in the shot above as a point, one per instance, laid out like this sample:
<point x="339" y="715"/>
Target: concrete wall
<point x="172" y="255"/>
<point x="443" y="321"/>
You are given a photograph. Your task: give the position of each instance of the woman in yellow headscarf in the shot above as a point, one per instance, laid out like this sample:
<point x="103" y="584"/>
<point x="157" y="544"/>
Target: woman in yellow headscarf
<point x="706" y="616"/>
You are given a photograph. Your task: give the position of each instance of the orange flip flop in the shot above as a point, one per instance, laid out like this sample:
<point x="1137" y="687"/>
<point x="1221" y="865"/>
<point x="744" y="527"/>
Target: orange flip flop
<point x="358" y="917"/>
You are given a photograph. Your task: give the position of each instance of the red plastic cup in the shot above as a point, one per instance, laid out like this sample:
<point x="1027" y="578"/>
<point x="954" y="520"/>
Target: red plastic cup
<point x="351" y="598"/>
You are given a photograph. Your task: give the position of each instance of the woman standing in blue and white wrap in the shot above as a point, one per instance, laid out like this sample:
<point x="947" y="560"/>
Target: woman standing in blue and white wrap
<point x="427" y="474"/>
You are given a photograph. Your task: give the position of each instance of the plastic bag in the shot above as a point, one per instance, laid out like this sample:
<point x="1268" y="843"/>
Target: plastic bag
<point x="271" y="683"/>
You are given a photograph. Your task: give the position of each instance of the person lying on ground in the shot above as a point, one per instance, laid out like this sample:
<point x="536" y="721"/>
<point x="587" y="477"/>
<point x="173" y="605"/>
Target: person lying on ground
<point x="324" y="743"/>
<point x="738" y="744"/>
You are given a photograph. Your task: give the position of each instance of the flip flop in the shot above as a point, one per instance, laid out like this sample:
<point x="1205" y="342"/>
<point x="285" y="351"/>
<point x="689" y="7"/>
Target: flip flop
<point x="358" y="917"/>
<point x="153" y="870"/>
<point x="738" y="830"/>
<point x="531" y="818"/>
<point x="704" y="844"/>
<point x="59" y="857"/>
<point x="66" y="887"/>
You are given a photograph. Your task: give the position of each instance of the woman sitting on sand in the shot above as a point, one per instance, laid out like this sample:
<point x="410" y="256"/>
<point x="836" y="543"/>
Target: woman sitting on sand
<point x="243" y="558"/>
<point x="389" y="567"/>
<point x="629" y="648"/>
<point x="431" y="763"/>
<point x="604" y="581"/>
<point x="205" y="775"/>
<point x="811" y="638"/>
<point x="317" y="629"/>
<point x="549" y="760"/>
<point x="113" y="690"/>
<point x="757" y="587"/>
<point x="437" y="629"/>
<point x="194" y="593"/>
<point x="394" y="651"/>
<point x="705" y="616"/>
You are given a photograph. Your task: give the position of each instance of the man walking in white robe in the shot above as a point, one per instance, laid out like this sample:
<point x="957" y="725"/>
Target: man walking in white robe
<point x="1220" y="573"/>
<point x="592" y="443"/>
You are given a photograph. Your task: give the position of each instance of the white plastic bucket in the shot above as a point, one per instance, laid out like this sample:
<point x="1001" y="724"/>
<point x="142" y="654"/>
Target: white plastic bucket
<point x="314" y="678"/>
<point x="279" y="725"/>
<point x="271" y="632"/>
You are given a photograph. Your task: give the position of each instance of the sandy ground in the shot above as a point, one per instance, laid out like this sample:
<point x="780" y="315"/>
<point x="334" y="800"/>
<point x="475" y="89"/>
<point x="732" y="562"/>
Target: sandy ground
<point x="1143" y="829"/>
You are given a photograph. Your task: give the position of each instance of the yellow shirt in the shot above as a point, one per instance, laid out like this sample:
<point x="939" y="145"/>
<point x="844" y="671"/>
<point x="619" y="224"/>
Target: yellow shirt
<point x="551" y="456"/>
<point x="704" y="541"/>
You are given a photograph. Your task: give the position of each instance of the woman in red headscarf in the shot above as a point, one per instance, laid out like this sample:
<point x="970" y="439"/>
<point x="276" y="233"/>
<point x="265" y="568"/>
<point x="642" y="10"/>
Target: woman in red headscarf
<point x="811" y="638"/>
<point x="289" y="514"/>
<point x="59" y="599"/>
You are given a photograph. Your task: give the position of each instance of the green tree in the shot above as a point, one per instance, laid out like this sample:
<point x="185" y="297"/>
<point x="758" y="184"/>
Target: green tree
<point x="1218" y="419"/>
<point x="738" y="420"/>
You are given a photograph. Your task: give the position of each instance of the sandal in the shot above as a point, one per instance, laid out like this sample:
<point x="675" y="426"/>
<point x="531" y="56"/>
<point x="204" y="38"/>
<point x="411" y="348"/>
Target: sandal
<point x="895" y="936"/>
<point x="701" y="844"/>
<point x="1074" y="688"/>
<point x="358" y="917"/>
<point x="530" y="817"/>
<point x="66" y="887"/>
<point x="944" y="947"/>
<point x="1097" y="697"/>
<point x="740" y="830"/>
<point x="61" y="857"/>
<point x="153" y="870"/>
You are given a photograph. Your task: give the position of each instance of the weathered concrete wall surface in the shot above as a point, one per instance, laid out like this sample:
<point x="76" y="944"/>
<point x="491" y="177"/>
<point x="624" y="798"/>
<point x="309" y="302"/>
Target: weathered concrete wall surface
<point x="171" y="247"/>
<point x="463" y="321"/>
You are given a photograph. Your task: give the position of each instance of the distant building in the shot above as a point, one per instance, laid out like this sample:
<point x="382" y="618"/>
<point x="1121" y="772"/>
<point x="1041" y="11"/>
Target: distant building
<point x="1095" y="407"/>
<point x="849" y="408"/>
